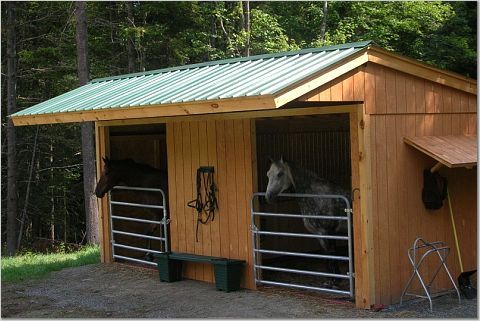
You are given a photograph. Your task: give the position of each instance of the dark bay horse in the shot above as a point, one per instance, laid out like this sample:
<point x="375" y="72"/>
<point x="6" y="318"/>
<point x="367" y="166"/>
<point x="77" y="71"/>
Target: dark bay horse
<point x="130" y="173"/>
<point x="283" y="176"/>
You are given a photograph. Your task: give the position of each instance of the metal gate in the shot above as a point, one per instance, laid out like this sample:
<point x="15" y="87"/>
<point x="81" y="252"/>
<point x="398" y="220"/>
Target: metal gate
<point x="162" y="238"/>
<point x="258" y="249"/>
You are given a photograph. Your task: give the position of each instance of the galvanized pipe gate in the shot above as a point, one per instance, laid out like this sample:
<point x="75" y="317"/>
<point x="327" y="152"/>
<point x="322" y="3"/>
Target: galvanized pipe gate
<point x="163" y="223"/>
<point x="258" y="249"/>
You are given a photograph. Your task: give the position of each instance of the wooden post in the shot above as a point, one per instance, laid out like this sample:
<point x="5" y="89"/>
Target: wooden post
<point x="365" y="296"/>
<point x="102" y="143"/>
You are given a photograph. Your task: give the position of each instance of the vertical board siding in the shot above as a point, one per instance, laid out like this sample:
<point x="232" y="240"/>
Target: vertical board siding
<point x="172" y="191"/>
<point x="401" y="105"/>
<point x="414" y="107"/>
<point x="226" y="145"/>
<point x="327" y="154"/>
<point x="398" y="210"/>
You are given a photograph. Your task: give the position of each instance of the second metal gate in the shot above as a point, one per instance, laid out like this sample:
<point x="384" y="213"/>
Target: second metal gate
<point x="161" y="239"/>
<point x="258" y="249"/>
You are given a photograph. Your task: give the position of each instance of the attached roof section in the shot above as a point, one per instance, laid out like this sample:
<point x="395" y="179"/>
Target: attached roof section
<point x="242" y="84"/>
<point x="451" y="151"/>
<point x="259" y="77"/>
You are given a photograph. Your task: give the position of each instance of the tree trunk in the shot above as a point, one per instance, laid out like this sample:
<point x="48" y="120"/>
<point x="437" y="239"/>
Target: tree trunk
<point x="88" y="156"/>
<point x="88" y="148"/>
<point x="130" y="41"/>
<point x="246" y="20"/>
<point x="323" y="26"/>
<point x="11" y="136"/>
<point x="27" y="193"/>
<point x="52" y="196"/>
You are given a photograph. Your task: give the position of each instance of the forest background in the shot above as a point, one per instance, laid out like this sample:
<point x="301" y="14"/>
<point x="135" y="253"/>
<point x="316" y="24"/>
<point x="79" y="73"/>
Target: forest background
<point x="127" y="36"/>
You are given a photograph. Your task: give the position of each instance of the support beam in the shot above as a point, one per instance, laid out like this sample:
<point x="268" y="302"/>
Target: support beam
<point x="436" y="167"/>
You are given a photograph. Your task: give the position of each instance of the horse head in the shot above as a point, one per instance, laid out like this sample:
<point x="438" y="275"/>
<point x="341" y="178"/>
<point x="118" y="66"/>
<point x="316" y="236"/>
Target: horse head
<point x="279" y="179"/>
<point x="108" y="179"/>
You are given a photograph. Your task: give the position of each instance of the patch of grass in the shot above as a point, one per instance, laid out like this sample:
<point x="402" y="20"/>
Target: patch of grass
<point x="30" y="265"/>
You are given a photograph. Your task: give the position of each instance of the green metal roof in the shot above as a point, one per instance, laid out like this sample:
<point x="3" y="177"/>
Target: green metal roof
<point x="215" y="80"/>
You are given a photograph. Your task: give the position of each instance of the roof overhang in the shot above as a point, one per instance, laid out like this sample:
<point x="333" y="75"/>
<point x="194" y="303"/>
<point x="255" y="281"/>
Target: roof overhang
<point x="164" y="110"/>
<point x="252" y="103"/>
<point x="451" y="151"/>
<point x="369" y="54"/>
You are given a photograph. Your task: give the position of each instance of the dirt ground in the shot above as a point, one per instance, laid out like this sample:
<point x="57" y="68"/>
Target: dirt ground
<point x="122" y="291"/>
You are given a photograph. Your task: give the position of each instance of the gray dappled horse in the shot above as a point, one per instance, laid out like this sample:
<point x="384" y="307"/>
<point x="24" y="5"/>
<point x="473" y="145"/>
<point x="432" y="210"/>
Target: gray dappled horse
<point x="283" y="176"/>
<point x="130" y="173"/>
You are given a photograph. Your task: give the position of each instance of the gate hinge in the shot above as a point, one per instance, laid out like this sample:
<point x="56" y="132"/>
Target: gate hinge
<point x="166" y="221"/>
<point x="348" y="210"/>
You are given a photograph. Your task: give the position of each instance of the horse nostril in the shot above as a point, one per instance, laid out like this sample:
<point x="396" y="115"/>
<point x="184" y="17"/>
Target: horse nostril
<point x="270" y="198"/>
<point x="98" y="194"/>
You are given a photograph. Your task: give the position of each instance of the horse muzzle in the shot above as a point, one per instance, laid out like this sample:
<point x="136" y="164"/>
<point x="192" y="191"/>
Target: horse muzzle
<point x="99" y="194"/>
<point x="271" y="198"/>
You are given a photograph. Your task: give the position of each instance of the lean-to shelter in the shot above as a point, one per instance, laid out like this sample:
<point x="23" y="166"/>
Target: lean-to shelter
<point x="229" y="113"/>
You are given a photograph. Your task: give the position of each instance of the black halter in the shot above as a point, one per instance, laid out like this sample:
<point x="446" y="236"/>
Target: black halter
<point x="209" y="203"/>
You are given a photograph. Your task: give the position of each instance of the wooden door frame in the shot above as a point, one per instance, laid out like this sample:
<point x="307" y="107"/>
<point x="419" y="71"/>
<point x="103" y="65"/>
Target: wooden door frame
<point x="361" y="180"/>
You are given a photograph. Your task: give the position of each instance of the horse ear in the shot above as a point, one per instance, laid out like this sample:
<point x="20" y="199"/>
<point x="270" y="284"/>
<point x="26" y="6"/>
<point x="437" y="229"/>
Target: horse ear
<point x="281" y="160"/>
<point x="270" y="159"/>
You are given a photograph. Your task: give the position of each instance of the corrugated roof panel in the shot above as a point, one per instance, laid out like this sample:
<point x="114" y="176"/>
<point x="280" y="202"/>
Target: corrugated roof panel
<point x="223" y="79"/>
<point x="260" y="77"/>
<point x="211" y="78"/>
<point x="300" y="72"/>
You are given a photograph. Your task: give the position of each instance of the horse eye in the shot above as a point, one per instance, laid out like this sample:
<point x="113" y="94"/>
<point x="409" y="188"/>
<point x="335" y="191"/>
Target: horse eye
<point x="280" y="174"/>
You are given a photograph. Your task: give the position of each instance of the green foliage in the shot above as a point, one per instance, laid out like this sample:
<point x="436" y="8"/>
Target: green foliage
<point x="29" y="265"/>
<point x="300" y="20"/>
<point x="172" y="33"/>
<point x="267" y="34"/>
<point x="439" y="33"/>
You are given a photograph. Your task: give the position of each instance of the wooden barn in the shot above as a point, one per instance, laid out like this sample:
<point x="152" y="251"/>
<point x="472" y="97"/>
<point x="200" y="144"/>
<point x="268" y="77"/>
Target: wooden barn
<point x="367" y="117"/>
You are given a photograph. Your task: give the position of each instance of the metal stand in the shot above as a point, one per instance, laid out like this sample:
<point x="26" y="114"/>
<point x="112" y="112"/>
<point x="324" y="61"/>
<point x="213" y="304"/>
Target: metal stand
<point x="442" y="250"/>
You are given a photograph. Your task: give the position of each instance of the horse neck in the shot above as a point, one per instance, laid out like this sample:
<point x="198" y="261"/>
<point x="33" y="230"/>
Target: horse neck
<point x="303" y="179"/>
<point x="141" y="177"/>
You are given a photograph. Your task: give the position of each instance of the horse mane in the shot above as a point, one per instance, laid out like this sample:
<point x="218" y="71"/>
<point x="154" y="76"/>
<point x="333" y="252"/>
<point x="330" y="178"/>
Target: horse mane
<point x="134" y="171"/>
<point x="128" y="163"/>
<point x="303" y="178"/>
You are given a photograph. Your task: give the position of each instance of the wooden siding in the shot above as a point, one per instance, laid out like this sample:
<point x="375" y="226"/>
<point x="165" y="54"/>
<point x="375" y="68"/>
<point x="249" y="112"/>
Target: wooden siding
<point x="388" y="91"/>
<point x="398" y="105"/>
<point x="226" y="145"/>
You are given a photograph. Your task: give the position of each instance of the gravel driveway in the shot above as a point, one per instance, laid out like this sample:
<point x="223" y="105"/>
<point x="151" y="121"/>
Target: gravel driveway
<point x="122" y="291"/>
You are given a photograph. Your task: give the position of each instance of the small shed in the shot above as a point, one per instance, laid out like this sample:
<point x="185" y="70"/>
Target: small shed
<point x="230" y="113"/>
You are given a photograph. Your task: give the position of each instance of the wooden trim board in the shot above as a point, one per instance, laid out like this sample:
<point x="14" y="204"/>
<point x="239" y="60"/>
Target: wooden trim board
<point x="279" y="112"/>
<point x="410" y="66"/>
<point x="165" y="110"/>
